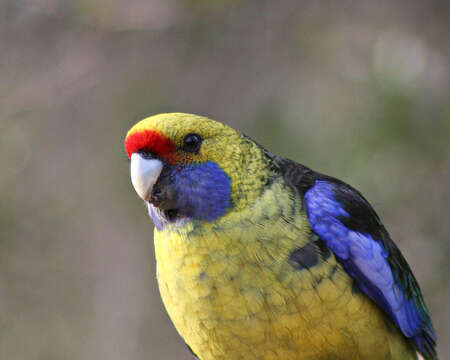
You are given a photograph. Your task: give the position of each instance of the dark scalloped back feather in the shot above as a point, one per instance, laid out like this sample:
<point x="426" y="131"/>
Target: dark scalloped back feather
<point x="365" y="220"/>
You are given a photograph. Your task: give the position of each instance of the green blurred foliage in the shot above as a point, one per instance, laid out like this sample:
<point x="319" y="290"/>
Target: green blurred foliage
<point x="358" y="90"/>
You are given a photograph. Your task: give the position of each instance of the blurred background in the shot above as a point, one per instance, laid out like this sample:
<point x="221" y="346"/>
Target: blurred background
<point x="358" y="90"/>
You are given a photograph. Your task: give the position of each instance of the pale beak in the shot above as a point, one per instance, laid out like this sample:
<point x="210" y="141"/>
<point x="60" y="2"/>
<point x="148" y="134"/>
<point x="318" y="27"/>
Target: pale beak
<point x="144" y="174"/>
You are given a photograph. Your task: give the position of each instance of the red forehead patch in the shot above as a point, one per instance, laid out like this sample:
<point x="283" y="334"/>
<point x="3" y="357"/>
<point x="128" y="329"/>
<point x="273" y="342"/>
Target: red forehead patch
<point x="151" y="141"/>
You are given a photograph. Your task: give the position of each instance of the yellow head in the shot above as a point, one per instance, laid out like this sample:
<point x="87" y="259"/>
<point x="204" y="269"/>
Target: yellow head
<point x="188" y="167"/>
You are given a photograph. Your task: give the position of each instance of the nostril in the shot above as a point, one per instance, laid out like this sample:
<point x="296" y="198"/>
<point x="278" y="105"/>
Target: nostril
<point x="147" y="154"/>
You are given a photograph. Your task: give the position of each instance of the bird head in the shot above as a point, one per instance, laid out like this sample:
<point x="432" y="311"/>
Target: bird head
<point x="191" y="168"/>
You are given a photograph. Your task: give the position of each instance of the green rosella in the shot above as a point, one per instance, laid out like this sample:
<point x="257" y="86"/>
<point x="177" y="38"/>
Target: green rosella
<point x="261" y="258"/>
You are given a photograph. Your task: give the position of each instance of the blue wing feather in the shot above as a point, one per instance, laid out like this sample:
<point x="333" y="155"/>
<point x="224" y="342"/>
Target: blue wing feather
<point x="369" y="255"/>
<point x="350" y="228"/>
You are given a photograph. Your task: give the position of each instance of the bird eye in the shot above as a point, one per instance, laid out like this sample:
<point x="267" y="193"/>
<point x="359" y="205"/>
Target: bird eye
<point x="191" y="143"/>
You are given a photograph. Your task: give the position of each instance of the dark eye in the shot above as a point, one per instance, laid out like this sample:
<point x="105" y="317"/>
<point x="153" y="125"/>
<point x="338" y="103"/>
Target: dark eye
<point x="191" y="143"/>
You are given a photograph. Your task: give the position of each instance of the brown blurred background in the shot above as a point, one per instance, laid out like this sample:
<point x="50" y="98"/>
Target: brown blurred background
<point x="358" y="90"/>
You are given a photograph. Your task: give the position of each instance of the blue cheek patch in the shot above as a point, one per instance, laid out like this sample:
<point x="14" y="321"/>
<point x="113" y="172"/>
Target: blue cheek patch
<point x="204" y="191"/>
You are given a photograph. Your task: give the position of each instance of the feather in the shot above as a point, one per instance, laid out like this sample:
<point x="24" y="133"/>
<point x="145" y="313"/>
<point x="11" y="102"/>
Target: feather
<point x="351" y="229"/>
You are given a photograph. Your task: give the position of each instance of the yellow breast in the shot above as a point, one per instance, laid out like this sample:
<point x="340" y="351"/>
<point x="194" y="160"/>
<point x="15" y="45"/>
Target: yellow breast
<point x="232" y="293"/>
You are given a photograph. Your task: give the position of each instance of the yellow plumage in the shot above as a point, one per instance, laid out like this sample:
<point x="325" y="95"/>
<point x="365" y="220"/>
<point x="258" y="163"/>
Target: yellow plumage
<point x="232" y="295"/>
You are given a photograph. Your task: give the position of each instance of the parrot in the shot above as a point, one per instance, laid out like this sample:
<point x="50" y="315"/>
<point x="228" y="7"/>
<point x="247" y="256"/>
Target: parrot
<point x="261" y="258"/>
